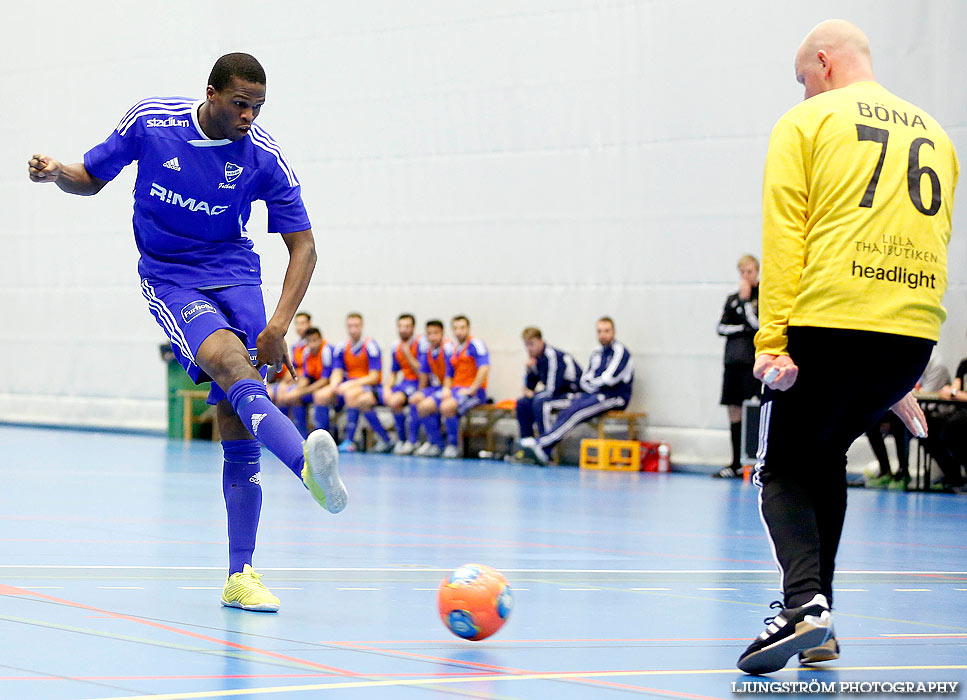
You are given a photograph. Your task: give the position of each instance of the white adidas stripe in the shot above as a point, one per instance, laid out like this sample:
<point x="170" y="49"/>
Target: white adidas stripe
<point x="263" y="141"/>
<point x="167" y="320"/>
<point x="168" y="112"/>
<point x="159" y="101"/>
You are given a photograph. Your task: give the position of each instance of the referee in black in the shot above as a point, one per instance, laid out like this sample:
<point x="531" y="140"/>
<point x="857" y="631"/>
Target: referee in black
<point x="857" y="198"/>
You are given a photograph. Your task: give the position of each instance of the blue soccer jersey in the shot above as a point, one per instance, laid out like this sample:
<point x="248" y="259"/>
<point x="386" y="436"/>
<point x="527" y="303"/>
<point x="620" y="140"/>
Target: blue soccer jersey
<point x="193" y="195"/>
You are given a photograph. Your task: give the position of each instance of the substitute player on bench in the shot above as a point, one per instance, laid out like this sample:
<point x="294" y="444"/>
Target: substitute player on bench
<point x="201" y="164"/>
<point x="434" y="360"/>
<point x="357" y="370"/>
<point x="551" y="375"/>
<point x="605" y="386"/>
<point x="405" y="367"/>
<point x="857" y="197"/>
<point x="464" y="387"/>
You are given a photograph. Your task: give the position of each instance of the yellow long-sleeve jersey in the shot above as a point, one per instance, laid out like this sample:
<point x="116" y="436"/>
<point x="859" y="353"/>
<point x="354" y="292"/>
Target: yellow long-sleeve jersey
<point x="857" y="199"/>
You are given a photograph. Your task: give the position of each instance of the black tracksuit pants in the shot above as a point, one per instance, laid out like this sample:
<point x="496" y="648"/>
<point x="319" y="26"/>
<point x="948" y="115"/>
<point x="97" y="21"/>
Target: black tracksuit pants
<point x="847" y="380"/>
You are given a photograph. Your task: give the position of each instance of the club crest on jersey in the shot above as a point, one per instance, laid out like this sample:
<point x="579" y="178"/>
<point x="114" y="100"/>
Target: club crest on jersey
<point x="195" y="309"/>
<point x="232" y="171"/>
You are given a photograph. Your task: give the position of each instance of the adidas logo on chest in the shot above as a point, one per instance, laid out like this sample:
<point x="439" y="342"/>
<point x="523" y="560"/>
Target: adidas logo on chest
<point x="172" y="164"/>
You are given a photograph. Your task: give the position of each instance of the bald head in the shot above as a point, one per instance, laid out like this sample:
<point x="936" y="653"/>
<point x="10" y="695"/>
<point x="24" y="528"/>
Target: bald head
<point x="836" y="53"/>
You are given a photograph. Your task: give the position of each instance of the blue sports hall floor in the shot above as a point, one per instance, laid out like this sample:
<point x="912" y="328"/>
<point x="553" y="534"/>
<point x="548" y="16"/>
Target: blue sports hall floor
<point x="112" y="549"/>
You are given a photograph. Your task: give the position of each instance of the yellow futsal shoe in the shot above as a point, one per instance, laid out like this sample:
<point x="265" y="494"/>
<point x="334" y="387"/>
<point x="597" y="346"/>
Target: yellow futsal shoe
<point x="320" y="473"/>
<point x="245" y="590"/>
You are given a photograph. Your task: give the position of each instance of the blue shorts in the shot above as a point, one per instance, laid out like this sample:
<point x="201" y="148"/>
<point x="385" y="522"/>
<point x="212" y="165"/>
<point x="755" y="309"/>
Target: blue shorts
<point x="407" y="387"/>
<point x="464" y="403"/>
<point x="189" y="316"/>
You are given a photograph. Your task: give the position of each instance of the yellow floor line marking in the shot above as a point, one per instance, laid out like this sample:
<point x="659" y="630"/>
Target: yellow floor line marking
<point x="495" y="678"/>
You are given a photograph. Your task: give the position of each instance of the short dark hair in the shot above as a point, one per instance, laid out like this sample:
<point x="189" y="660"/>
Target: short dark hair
<point x="304" y="313"/>
<point x="606" y="319"/>
<point x="354" y="314"/>
<point x="460" y="317"/>
<point x="435" y="323"/>
<point x="236" y="65"/>
<point x="409" y="316"/>
<point x="313" y="331"/>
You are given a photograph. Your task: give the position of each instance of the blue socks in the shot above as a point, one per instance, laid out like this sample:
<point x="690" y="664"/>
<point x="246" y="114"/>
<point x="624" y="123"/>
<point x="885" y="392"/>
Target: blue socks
<point x="241" y="485"/>
<point x="352" y="420"/>
<point x="300" y="418"/>
<point x="400" y="419"/>
<point x="377" y="427"/>
<point x="414" y="426"/>
<point x="320" y="417"/>
<point x="453" y="429"/>
<point x="431" y="424"/>
<point x="257" y="413"/>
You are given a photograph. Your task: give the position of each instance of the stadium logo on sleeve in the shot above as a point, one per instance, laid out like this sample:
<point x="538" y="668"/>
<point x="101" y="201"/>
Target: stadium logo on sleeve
<point x="196" y="309"/>
<point x="170" y="121"/>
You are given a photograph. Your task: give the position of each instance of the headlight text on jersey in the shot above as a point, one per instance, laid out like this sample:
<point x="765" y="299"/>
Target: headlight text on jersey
<point x="172" y="197"/>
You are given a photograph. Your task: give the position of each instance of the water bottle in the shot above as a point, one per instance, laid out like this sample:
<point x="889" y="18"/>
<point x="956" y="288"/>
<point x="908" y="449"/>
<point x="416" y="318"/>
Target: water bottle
<point x="663" y="457"/>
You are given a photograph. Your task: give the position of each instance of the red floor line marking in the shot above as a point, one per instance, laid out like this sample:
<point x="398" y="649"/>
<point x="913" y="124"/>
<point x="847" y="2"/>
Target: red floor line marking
<point x="13" y="590"/>
<point x="941" y="576"/>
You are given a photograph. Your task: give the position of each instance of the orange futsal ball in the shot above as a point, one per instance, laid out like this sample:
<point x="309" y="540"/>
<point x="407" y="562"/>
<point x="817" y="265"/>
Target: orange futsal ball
<point x="474" y="601"/>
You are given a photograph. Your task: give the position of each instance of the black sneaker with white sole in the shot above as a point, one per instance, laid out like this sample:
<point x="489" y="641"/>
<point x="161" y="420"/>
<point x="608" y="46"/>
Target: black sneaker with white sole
<point x="792" y="631"/>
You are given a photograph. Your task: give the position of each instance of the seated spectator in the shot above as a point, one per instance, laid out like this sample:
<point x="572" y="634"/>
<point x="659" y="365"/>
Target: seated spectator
<point x="357" y="368"/>
<point x="948" y="439"/>
<point x="739" y="323"/>
<point x="434" y="357"/>
<point x="934" y="377"/>
<point x="282" y="378"/>
<point x="901" y="438"/>
<point x="314" y="372"/>
<point x="550" y="375"/>
<point x="404" y="377"/>
<point x="605" y="386"/>
<point x="464" y="387"/>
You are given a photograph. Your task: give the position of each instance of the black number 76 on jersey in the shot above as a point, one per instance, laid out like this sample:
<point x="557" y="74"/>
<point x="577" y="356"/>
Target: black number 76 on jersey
<point x="915" y="173"/>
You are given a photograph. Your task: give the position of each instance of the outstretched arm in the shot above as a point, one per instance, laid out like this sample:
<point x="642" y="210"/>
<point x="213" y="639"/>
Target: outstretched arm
<point x="302" y="261"/>
<point x="72" y="178"/>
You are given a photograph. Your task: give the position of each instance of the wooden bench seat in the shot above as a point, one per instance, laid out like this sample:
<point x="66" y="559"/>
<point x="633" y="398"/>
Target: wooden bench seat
<point x="494" y="412"/>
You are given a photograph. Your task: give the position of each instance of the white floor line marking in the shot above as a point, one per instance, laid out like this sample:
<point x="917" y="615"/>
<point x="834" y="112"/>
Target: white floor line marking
<point x="718" y="589"/>
<point x="123" y="588"/>
<point x="911" y="590"/>
<point x="960" y="589"/>
<point x="649" y="589"/>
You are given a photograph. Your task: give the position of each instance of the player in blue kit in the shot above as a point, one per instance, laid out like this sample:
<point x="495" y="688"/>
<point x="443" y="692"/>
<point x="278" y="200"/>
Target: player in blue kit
<point x="201" y="164"/>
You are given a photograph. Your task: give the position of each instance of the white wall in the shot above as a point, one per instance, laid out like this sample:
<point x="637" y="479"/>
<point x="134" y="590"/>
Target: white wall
<point x="537" y="162"/>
